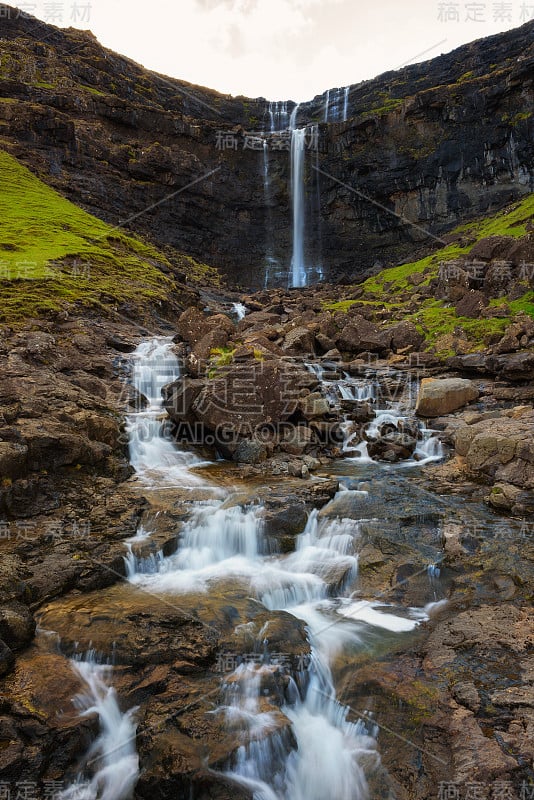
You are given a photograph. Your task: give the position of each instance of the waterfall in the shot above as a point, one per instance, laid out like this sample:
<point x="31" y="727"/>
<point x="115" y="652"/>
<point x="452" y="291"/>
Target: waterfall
<point x="113" y="754"/>
<point x="298" y="144"/>
<point x="346" y="104"/>
<point x="327" y="105"/>
<point x="270" y="261"/>
<point x="278" y="116"/>
<point x="153" y="452"/>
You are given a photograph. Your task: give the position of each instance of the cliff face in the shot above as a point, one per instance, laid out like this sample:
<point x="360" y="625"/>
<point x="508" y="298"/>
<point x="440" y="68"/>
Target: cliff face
<point x="435" y="143"/>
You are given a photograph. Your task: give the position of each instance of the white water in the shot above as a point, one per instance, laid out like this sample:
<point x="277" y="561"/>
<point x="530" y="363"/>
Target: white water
<point x="336" y="105"/>
<point x="153" y="452"/>
<point x="222" y="543"/>
<point x="112" y="759"/>
<point x="225" y="543"/>
<point x="298" y="144"/>
<point x="239" y="310"/>
<point x="278" y="116"/>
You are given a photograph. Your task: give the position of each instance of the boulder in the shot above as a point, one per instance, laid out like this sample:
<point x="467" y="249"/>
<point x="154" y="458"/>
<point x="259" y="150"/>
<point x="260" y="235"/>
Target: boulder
<point x="499" y="450"/>
<point x="314" y="405"/>
<point x="439" y="396"/>
<point x="192" y="326"/>
<point x="393" y="446"/>
<point x="360" y="335"/>
<point x="404" y="335"/>
<point x="17" y="625"/>
<point x="300" y="340"/>
<point x="250" y="451"/>
<point x="178" y="399"/>
<point x="248" y="394"/>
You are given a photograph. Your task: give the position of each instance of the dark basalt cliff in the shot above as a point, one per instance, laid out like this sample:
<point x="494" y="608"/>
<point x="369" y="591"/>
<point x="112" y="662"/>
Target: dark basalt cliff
<point x="436" y="143"/>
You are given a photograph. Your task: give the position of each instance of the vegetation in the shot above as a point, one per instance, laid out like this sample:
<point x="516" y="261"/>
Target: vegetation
<point x="53" y="253"/>
<point x="392" y="290"/>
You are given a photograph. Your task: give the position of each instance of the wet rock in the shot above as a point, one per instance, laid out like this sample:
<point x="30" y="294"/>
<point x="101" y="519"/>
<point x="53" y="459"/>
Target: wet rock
<point x="393" y="446"/>
<point x="297" y="439"/>
<point x="7" y="659"/>
<point x="250" y="451"/>
<point x="441" y="396"/>
<point x="17" y="625"/>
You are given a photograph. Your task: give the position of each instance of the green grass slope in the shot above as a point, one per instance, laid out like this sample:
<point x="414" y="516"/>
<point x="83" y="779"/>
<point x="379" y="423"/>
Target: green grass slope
<point x="53" y="253"/>
<point x="391" y="290"/>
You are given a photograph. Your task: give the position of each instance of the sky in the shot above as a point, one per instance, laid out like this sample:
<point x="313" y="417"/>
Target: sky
<point x="282" y="49"/>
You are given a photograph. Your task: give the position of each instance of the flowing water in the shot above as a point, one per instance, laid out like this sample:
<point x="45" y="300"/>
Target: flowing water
<point x="298" y="152"/>
<point x="324" y="749"/>
<point x="112" y="759"/>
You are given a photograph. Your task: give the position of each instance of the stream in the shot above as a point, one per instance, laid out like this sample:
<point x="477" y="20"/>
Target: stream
<point x="310" y="745"/>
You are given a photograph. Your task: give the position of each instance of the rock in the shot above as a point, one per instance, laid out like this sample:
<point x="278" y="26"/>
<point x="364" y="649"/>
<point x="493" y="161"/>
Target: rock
<point x="178" y="399"/>
<point x="296" y="440"/>
<point x="404" y="335"/>
<point x="300" y="341"/>
<point x="513" y="366"/>
<point x="192" y="326"/>
<point x="7" y="659"/>
<point x="523" y="326"/>
<point x="438" y="396"/>
<point x="17" y="625"/>
<point x="471" y="304"/>
<point x="217" y="337"/>
<point x="246" y="395"/>
<point x="250" y="451"/>
<point x="393" y="446"/>
<point x="499" y="450"/>
<point x="360" y="335"/>
<point x="465" y="693"/>
<point x="13" y="458"/>
<point x="314" y="405"/>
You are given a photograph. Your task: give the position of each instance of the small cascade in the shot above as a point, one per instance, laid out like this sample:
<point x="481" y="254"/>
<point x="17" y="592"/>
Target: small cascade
<point x="337" y="105"/>
<point x="222" y="543"/>
<point x="153" y="453"/>
<point x="239" y="310"/>
<point x="112" y="758"/>
<point x="278" y="116"/>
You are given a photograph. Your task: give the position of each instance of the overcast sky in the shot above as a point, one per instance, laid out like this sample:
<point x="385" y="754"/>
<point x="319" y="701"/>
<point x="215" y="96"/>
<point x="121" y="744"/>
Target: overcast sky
<point x="284" y="49"/>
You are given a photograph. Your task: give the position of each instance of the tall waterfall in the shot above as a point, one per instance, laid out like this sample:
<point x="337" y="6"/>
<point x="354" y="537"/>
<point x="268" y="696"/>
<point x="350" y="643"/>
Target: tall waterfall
<point x="298" y="145"/>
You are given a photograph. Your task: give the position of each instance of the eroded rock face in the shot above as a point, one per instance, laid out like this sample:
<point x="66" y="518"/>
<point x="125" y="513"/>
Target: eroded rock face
<point x="500" y="450"/>
<point x="98" y="148"/>
<point x="441" y="396"/>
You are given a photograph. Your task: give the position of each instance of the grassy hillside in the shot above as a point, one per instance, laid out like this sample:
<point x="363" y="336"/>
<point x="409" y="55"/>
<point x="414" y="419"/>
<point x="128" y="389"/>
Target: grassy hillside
<point x="53" y="253"/>
<point x="392" y="290"/>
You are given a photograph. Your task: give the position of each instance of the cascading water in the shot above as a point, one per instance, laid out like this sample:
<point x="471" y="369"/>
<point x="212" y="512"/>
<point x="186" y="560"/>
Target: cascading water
<point x="153" y="453"/>
<point x="298" y="145"/>
<point x="112" y="759"/>
<point x="239" y="310"/>
<point x="222" y="543"/>
<point x="278" y="116"/>
<point x="336" y="107"/>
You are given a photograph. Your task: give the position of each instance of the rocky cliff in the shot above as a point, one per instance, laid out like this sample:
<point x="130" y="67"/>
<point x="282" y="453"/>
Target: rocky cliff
<point x="436" y="143"/>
